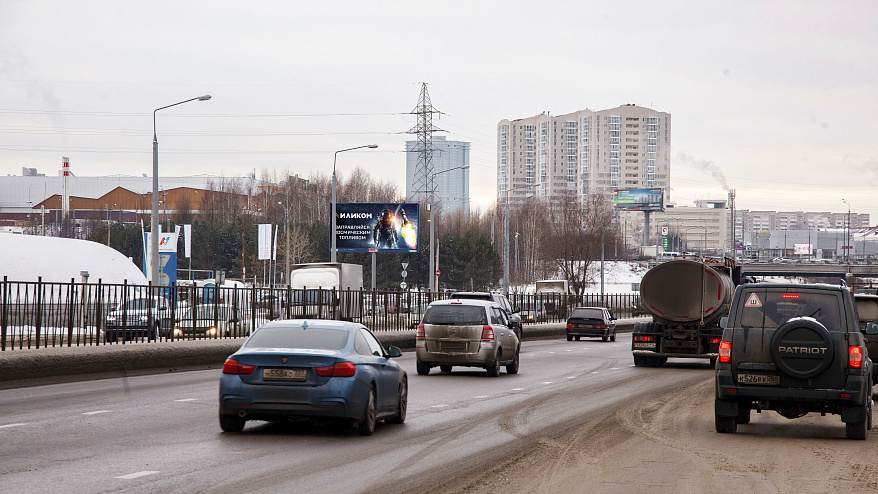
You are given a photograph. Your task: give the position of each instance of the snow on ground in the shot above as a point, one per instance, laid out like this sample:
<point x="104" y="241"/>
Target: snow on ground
<point x="618" y="277"/>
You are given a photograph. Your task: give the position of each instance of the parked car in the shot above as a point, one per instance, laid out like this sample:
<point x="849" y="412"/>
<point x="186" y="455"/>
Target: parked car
<point x="591" y="321"/>
<point x="313" y="368"/>
<point x="463" y="332"/>
<point x="139" y="317"/>
<point x="514" y="313"/>
<point x="212" y="320"/>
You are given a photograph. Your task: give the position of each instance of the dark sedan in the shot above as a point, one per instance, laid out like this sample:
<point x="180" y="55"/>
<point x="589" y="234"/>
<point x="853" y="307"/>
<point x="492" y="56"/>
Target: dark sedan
<point x="591" y="321"/>
<point x="313" y="368"/>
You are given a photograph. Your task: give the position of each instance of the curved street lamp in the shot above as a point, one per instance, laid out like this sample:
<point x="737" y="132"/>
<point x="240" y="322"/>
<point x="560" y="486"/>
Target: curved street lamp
<point x="332" y="250"/>
<point x="434" y="282"/>
<point x="154" y="224"/>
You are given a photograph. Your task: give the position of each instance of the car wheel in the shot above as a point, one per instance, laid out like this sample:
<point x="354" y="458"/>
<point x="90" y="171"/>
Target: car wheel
<point x="613" y="336"/>
<point x="367" y="424"/>
<point x="231" y="423"/>
<point x="513" y="367"/>
<point x="494" y="368"/>
<point x="577" y="338"/>
<point x="725" y="425"/>
<point x="569" y="337"/>
<point x="856" y="430"/>
<point x="402" y="402"/>
<point x="445" y="368"/>
<point x="423" y="369"/>
<point x="111" y="337"/>
<point x="605" y="338"/>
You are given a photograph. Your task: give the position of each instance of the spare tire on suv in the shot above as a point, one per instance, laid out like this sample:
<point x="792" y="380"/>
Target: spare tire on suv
<point x="794" y="349"/>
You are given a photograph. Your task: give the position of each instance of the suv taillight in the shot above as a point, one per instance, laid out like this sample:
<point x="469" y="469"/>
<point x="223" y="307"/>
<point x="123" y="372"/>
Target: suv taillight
<point x="420" y="333"/>
<point x="725" y="351"/>
<point x="338" y="369"/>
<point x="487" y="333"/>
<point x="855" y="357"/>
<point x="232" y="366"/>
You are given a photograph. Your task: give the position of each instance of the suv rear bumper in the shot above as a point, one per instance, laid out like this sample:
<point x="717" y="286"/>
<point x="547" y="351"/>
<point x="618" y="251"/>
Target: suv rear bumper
<point x="856" y="393"/>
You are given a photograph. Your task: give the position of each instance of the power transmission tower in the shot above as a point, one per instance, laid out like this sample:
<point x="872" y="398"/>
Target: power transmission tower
<point x="424" y="188"/>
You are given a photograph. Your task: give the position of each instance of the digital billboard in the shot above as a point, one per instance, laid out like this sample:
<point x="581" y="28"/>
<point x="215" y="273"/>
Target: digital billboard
<point x="376" y="227"/>
<point x="638" y="199"/>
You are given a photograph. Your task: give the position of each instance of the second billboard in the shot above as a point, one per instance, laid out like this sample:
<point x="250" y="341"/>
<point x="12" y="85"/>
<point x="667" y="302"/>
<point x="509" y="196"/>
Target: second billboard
<point x="376" y="227"/>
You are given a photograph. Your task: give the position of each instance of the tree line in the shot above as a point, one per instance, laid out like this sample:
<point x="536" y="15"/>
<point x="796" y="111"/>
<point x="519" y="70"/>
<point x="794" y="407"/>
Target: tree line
<point x="548" y="240"/>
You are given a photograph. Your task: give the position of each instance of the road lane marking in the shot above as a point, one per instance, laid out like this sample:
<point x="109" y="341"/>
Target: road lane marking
<point x="137" y="474"/>
<point x="188" y="399"/>
<point x="517" y="389"/>
<point x="11" y="425"/>
<point x="571" y="377"/>
<point x="439" y="406"/>
<point x="96" y="412"/>
<point x="481" y="396"/>
<point x="546" y="382"/>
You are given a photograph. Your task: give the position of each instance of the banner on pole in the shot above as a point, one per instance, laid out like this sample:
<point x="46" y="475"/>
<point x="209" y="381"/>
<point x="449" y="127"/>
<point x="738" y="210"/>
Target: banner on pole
<point x="264" y="248"/>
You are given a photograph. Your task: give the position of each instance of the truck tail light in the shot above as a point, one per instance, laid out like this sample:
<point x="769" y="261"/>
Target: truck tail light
<point x="232" y="366"/>
<point x="420" y="333"/>
<point x="725" y="351"/>
<point x="643" y="338"/>
<point x="338" y="369"/>
<point x="715" y="341"/>
<point x="855" y="357"/>
<point x="487" y="333"/>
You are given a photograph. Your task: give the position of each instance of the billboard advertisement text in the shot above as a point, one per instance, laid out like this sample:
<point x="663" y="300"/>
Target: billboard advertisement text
<point x="638" y="199"/>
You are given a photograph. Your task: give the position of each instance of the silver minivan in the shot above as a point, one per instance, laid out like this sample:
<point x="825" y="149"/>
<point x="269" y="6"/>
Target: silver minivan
<point x="469" y="333"/>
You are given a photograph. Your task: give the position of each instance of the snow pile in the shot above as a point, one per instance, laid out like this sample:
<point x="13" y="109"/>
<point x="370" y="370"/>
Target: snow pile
<point x="55" y="259"/>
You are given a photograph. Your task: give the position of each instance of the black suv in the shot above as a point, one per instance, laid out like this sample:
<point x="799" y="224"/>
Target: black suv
<point x="793" y="349"/>
<point x="513" y="313"/>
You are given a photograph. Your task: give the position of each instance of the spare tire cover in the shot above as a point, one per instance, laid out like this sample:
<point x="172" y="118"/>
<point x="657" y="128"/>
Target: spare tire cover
<point x="802" y="348"/>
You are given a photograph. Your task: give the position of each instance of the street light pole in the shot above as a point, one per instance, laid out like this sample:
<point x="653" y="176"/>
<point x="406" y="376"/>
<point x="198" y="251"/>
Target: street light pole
<point x="434" y="282"/>
<point x="506" y="235"/>
<point x="847" y="237"/>
<point x="332" y="250"/>
<point x="153" y="224"/>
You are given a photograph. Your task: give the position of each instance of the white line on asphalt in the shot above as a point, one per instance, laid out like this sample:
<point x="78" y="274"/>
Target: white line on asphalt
<point x="571" y="377"/>
<point x="11" y="425"/>
<point x="96" y="412"/>
<point x="517" y="389"/>
<point x="188" y="399"/>
<point x="546" y="382"/>
<point x="481" y="396"/>
<point x="137" y="474"/>
<point x="439" y="406"/>
<point x="614" y="368"/>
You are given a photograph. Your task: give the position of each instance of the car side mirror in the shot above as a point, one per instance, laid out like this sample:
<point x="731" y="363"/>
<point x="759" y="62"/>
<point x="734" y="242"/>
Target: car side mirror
<point x="723" y="321"/>
<point x="393" y="352"/>
<point x="516" y="309"/>
<point x="872" y="327"/>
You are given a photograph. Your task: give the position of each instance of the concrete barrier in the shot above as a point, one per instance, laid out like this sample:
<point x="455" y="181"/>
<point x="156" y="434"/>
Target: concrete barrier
<point x="28" y="367"/>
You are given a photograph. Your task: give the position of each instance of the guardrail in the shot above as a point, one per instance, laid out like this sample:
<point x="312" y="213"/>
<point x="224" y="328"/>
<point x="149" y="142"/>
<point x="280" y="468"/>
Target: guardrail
<point x="50" y="314"/>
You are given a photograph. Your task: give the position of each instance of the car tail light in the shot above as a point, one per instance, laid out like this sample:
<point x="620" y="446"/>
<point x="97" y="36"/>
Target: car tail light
<point x="420" y="333"/>
<point x="602" y="326"/>
<point x="725" y="351"/>
<point x="232" y="366"/>
<point x="487" y="333"/>
<point x="715" y="341"/>
<point x="643" y="338"/>
<point x="855" y="357"/>
<point x="569" y="324"/>
<point x="338" y="369"/>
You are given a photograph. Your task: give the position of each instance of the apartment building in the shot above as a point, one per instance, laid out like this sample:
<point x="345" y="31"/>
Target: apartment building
<point x="583" y="153"/>
<point x="452" y="180"/>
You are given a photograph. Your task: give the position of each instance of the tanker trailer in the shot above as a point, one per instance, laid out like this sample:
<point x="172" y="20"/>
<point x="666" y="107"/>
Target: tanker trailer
<point x="686" y="299"/>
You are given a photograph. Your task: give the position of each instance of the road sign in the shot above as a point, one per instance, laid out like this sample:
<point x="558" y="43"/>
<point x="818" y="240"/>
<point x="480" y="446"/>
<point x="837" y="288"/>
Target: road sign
<point x="403" y="285"/>
<point x="405" y="265"/>
<point x="437" y="272"/>
<point x="664" y="231"/>
<point x="405" y="273"/>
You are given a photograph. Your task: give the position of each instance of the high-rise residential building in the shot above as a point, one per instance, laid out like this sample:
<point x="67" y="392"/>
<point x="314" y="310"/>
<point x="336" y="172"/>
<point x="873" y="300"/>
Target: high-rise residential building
<point x="452" y="187"/>
<point x="583" y="153"/>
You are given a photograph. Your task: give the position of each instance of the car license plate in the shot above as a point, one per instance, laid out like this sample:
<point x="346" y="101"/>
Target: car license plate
<point x="284" y="374"/>
<point x="764" y="379"/>
<point x="454" y="345"/>
<point x="649" y="345"/>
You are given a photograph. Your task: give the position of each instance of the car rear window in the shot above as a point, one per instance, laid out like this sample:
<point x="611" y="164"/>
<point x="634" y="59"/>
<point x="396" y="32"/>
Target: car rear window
<point x="462" y="315"/>
<point x="296" y="337"/>
<point x="587" y="313"/>
<point x="764" y="309"/>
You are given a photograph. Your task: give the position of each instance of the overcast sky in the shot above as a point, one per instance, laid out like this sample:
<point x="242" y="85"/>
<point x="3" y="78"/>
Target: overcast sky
<point x="775" y="99"/>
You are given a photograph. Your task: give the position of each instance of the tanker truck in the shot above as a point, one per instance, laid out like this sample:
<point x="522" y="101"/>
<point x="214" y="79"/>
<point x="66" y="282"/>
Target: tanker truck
<point x="686" y="298"/>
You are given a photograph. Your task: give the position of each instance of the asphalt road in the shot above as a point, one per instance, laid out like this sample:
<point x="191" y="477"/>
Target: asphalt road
<point x="159" y="433"/>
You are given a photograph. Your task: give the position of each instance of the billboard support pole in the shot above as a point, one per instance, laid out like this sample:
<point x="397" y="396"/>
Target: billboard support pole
<point x="646" y="227"/>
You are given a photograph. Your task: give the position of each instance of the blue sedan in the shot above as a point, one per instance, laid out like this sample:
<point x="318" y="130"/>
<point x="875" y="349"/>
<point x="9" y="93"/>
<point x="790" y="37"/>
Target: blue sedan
<point x="313" y="368"/>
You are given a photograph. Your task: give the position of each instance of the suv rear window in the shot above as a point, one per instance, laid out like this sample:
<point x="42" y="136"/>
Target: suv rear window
<point x="772" y="309"/>
<point x="460" y="315"/>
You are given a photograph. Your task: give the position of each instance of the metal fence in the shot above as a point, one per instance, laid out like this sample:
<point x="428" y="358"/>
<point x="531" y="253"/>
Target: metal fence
<point x="50" y="314"/>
